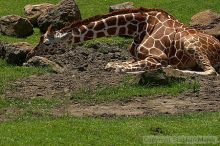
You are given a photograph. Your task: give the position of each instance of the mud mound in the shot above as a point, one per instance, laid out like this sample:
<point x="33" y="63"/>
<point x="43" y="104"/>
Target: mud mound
<point x="85" y="69"/>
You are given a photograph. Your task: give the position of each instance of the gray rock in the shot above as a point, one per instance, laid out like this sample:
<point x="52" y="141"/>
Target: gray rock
<point x="2" y="50"/>
<point x="14" y="25"/>
<point x="15" y="53"/>
<point x="207" y="21"/>
<point x="126" y="5"/>
<point x="38" y="61"/>
<point x="33" y="12"/>
<point x="62" y="14"/>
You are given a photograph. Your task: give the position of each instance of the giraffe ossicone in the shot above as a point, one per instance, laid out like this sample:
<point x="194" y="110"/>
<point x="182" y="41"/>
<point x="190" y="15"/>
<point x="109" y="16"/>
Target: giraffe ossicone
<point x="159" y="40"/>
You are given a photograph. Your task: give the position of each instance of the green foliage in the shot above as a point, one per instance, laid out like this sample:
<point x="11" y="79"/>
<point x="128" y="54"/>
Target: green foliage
<point x="102" y="131"/>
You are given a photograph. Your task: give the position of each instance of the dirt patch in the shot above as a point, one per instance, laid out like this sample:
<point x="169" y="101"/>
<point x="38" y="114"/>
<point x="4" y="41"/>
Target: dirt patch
<point x="84" y="68"/>
<point x="207" y="99"/>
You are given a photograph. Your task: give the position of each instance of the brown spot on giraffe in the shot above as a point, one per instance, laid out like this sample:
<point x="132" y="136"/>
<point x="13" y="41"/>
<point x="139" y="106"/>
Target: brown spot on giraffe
<point x="122" y="20"/>
<point x="99" y="26"/>
<point x="122" y="30"/>
<point x="100" y="34"/>
<point x="89" y="34"/>
<point x="141" y="26"/>
<point x="131" y="28"/>
<point x="111" y="21"/>
<point x="112" y="31"/>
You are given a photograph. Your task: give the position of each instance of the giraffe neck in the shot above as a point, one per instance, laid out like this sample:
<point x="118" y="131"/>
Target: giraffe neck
<point x="135" y="24"/>
<point x="125" y="24"/>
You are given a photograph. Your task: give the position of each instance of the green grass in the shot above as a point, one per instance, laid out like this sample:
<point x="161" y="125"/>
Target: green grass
<point x="101" y="131"/>
<point x="9" y="73"/>
<point x="26" y="108"/>
<point x="131" y="88"/>
<point x="9" y="7"/>
<point x="23" y="103"/>
<point x="31" y="39"/>
<point x="183" y="10"/>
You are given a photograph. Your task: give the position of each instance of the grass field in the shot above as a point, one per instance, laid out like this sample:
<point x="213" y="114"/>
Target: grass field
<point x="101" y="131"/>
<point x="35" y="126"/>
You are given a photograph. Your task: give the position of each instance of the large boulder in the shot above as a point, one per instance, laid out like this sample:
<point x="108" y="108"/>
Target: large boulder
<point x="2" y="50"/>
<point x="14" y="25"/>
<point x="33" y="12"/>
<point x="59" y="16"/>
<point x="207" y="21"/>
<point x="125" y="5"/>
<point x="15" y="53"/>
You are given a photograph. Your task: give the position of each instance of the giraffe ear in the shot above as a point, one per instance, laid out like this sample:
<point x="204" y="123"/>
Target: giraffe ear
<point x="50" y="29"/>
<point x="50" y="32"/>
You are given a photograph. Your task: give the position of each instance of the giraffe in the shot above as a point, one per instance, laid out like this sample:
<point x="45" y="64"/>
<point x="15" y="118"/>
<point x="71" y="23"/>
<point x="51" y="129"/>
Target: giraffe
<point x="159" y="40"/>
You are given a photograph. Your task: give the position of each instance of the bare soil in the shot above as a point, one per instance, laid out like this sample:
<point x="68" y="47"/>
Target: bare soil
<point x="84" y="68"/>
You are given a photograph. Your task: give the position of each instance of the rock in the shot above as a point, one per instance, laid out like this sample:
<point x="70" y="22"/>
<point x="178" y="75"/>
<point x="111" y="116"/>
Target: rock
<point x="126" y="5"/>
<point x="152" y="77"/>
<point x="38" y="61"/>
<point x="14" y="25"/>
<point x="32" y="12"/>
<point x="2" y="50"/>
<point x="59" y="16"/>
<point x="207" y="21"/>
<point x="204" y="18"/>
<point x="15" y="53"/>
<point x="162" y="76"/>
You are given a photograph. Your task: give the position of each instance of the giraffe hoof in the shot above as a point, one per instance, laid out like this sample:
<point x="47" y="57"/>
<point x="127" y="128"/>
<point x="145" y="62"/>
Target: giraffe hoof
<point x="111" y="66"/>
<point x="119" y="69"/>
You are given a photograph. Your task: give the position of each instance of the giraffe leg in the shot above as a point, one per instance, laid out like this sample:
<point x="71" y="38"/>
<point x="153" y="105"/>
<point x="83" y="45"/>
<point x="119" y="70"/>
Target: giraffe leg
<point x="208" y="70"/>
<point x="131" y="49"/>
<point x="201" y="59"/>
<point x="116" y="65"/>
<point x="205" y="73"/>
<point x="136" y="67"/>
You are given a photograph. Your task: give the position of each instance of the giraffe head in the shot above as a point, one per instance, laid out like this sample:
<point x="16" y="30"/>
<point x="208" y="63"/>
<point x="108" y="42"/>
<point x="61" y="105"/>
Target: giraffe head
<point x="49" y="42"/>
